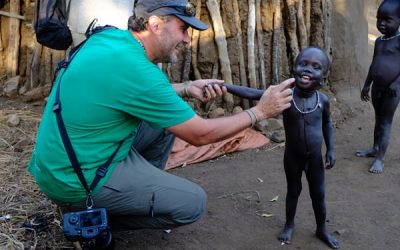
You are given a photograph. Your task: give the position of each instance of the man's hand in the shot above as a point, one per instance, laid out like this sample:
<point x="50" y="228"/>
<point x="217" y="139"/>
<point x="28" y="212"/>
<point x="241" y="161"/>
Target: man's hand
<point x="365" y="94"/>
<point x="207" y="90"/>
<point x="274" y="100"/>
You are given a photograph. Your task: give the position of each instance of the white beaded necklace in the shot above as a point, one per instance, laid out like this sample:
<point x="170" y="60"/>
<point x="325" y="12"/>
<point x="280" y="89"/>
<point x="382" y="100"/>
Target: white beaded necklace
<point x="389" y="38"/>
<point x="317" y="105"/>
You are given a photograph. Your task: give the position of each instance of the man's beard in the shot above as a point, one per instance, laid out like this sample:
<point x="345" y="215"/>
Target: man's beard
<point x="172" y="56"/>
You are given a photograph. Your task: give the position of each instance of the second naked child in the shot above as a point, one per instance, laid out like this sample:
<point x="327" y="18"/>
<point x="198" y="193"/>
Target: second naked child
<point x="384" y="75"/>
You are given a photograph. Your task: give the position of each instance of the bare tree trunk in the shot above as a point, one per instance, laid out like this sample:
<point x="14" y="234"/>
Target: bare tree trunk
<point x="13" y="40"/>
<point x="308" y="18"/>
<point x="220" y="39"/>
<point x="292" y="29"/>
<point x="47" y="70"/>
<point x="1" y="39"/>
<point x="327" y="12"/>
<point x="260" y="42"/>
<point x="317" y="29"/>
<point x="276" y="48"/>
<point x="242" y="67"/>
<point x="303" y="34"/>
<point x="186" y="65"/>
<point x="35" y="66"/>
<point x="250" y="44"/>
<point x="195" y="43"/>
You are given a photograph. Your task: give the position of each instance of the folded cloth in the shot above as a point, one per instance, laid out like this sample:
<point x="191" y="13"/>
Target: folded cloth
<point x="184" y="153"/>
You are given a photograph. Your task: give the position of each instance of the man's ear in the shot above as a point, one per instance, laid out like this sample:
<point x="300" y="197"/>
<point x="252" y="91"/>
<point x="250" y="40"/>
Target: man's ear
<point x="154" y="22"/>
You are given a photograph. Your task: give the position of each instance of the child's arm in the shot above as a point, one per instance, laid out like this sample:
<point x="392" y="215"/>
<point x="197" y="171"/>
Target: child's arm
<point x="327" y="129"/>
<point x="367" y="84"/>
<point x="393" y="88"/>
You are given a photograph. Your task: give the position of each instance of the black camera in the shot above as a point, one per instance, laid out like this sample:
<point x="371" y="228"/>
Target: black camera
<point x="89" y="227"/>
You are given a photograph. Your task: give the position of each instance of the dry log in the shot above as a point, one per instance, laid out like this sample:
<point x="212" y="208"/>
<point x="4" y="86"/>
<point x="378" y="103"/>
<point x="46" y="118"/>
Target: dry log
<point x="195" y="43"/>
<point x="48" y="72"/>
<point x="303" y="35"/>
<point x="292" y="29"/>
<point x="27" y="83"/>
<point x="220" y="39"/>
<point x="308" y="17"/>
<point x="242" y="67"/>
<point x="251" y="26"/>
<point x="215" y="70"/>
<point x="186" y="65"/>
<point x="12" y="15"/>
<point x="260" y="43"/>
<point x="317" y="29"/>
<point x="327" y="12"/>
<point x="35" y="66"/>
<point x="13" y="41"/>
<point x="276" y="48"/>
<point x="1" y="41"/>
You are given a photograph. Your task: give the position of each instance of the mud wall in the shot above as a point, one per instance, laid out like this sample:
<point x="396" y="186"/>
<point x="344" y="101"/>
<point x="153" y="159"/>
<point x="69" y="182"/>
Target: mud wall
<point x="339" y="26"/>
<point x="350" y="43"/>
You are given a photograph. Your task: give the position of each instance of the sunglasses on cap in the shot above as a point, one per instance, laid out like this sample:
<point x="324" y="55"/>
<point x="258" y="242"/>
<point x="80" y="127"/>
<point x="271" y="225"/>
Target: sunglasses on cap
<point x="188" y="10"/>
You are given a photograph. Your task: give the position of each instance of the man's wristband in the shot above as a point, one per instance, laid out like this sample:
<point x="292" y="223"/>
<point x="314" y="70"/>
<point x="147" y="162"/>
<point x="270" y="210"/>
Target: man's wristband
<point x="252" y="117"/>
<point x="186" y="86"/>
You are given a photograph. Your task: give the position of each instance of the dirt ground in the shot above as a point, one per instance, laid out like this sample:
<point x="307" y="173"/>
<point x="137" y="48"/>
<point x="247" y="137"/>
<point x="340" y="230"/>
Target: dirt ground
<point x="362" y="208"/>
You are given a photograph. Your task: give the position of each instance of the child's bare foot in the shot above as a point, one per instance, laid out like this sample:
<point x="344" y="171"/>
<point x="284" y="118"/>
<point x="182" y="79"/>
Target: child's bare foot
<point x="328" y="239"/>
<point x="377" y="167"/>
<point x="286" y="235"/>
<point x="366" y="153"/>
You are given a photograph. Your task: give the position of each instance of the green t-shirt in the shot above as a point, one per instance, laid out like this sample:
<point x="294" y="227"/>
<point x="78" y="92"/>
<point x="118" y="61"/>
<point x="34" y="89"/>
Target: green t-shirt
<point x="108" y="88"/>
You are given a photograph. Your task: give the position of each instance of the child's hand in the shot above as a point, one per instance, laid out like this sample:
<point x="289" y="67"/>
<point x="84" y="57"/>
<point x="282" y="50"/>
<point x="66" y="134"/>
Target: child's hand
<point x="330" y="160"/>
<point x="365" y="94"/>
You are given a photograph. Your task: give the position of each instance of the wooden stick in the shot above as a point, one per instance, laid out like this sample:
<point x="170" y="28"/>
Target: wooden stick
<point x="292" y="28"/>
<point x="242" y="67"/>
<point x="1" y="40"/>
<point x="35" y="65"/>
<point x="308" y="17"/>
<point x="327" y="12"/>
<point x="317" y="29"/>
<point x="186" y="65"/>
<point x="250" y="44"/>
<point x="12" y="15"/>
<point x="13" y="41"/>
<point x="220" y="39"/>
<point x="48" y="73"/>
<point x="303" y="35"/>
<point x="195" y="44"/>
<point x="276" y="48"/>
<point x="260" y="43"/>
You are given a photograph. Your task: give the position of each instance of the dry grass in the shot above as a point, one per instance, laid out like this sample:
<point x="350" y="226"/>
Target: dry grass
<point x="34" y="220"/>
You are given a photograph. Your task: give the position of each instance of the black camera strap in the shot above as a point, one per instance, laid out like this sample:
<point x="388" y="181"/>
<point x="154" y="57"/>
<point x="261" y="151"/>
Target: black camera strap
<point x="102" y="170"/>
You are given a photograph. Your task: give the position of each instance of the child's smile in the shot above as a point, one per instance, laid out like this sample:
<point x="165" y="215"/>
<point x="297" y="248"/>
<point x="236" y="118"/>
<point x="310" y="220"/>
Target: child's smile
<point x="309" y="69"/>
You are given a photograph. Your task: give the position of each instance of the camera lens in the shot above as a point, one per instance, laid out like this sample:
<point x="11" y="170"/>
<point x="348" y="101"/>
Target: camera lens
<point x="73" y="219"/>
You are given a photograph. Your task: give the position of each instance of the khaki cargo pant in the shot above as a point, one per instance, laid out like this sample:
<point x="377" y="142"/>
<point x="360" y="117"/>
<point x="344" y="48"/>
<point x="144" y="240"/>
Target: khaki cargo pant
<point x="140" y="194"/>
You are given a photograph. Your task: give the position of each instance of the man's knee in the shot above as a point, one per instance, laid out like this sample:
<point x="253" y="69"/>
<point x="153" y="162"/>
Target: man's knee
<point x="194" y="208"/>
